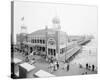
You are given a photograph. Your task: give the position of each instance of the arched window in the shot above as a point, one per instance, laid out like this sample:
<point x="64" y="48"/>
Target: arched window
<point x="41" y="41"/>
<point x="49" y="51"/>
<point x="33" y="40"/>
<point x="54" y="52"/>
<point x="37" y="40"/>
<point x="43" y="48"/>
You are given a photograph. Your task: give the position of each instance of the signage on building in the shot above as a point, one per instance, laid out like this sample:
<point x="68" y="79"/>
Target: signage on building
<point x="51" y="33"/>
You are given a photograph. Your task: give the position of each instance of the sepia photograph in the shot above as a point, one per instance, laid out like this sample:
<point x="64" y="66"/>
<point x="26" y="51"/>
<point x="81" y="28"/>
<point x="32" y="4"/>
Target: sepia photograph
<point x="53" y="39"/>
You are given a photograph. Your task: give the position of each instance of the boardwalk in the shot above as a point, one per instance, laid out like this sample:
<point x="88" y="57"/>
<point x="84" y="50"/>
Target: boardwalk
<point x="70" y="53"/>
<point x="84" y="41"/>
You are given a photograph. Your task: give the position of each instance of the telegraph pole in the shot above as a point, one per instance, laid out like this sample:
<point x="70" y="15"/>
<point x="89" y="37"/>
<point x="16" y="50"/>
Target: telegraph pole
<point x="66" y="48"/>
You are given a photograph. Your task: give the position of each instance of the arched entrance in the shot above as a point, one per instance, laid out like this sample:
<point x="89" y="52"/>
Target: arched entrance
<point x="51" y="48"/>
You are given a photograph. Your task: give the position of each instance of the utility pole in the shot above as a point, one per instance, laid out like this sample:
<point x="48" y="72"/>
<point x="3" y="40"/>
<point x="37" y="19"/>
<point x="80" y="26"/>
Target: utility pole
<point x="66" y="47"/>
<point x="23" y="34"/>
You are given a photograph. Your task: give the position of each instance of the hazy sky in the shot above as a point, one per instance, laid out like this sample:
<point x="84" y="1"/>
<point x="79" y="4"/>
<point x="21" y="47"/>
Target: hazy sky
<point x="74" y="19"/>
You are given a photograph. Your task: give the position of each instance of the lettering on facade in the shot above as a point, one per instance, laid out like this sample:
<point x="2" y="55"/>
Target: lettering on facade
<point x="51" y="33"/>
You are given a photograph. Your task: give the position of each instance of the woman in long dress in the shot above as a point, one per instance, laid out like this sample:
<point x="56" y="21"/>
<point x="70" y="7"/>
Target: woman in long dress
<point x="65" y="66"/>
<point x="51" y="67"/>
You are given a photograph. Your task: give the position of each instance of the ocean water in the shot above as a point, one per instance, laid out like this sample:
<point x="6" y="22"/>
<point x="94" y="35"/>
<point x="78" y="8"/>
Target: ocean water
<point x="88" y="54"/>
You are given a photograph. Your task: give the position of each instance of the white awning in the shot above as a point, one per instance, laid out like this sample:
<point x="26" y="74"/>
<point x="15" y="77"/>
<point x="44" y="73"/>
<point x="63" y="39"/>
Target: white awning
<point x="42" y="73"/>
<point x="27" y="66"/>
<point x="16" y="60"/>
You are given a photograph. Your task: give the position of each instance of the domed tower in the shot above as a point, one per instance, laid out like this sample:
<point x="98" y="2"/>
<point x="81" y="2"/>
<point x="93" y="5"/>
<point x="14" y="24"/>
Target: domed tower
<point x="56" y="23"/>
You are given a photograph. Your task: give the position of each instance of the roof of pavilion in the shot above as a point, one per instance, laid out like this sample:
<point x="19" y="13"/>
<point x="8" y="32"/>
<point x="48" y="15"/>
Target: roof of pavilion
<point x="43" y="32"/>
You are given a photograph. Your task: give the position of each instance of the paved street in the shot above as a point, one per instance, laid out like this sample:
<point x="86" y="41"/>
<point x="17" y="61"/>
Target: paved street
<point x="42" y="64"/>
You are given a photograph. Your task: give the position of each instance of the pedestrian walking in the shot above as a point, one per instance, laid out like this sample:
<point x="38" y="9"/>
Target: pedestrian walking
<point x="82" y="73"/>
<point x="93" y="67"/>
<point x="57" y="65"/>
<point x="87" y="65"/>
<point x="27" y="59"/>
<point x="80" y="66"/>
<point x="51" y="60"/>
<point x="67" y="67"/>
<point x="51" y="67"/>
<point x="85" y="72"/>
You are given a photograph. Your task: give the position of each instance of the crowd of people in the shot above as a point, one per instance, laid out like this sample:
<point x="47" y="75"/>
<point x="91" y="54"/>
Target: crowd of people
<point x="88" y="67"/>
<point x="54" y="66"/>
